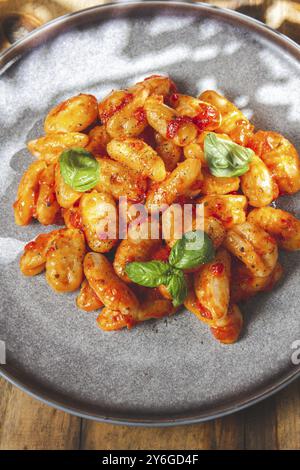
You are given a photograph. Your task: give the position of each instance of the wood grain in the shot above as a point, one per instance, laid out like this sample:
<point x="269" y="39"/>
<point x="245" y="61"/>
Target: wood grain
<point x="288" y="417"/>
<point x="26" y="423"/>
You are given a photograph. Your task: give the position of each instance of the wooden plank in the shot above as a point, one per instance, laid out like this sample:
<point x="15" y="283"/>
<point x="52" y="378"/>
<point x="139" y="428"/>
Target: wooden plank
<point x="288" y="417"/>
<point x="109" y="437"/>
<point x="226" y="433"/>
<point x="26" y="423"/>
<point x="260" y="426"/>
<point x="230" y="432"/>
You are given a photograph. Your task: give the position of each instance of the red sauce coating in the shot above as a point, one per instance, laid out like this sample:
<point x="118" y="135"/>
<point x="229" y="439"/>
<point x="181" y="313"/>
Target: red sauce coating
<point x="288" y="223"/>
<point x="260" y="144"/>
<point x="217" y="269"/>
<point x="162" y="254"/>
<point x="173" y="98"/>
<point x="140" y="115"/>
<point x="207" y="116"/>
<point x="75" y="219"/>
<point x="205" y="313"/>
<point x="175" y="124"/>
<point x="105" y="115"/>
<point x="196" y="185"/>
<point x="30" y="246"/>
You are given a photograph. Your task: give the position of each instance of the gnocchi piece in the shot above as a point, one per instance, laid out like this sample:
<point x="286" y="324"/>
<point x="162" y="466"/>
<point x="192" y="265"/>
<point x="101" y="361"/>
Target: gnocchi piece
<point x="47" y="206"/>
<point x="168" y="151"/>
<point x="130" y="120"/>
<point x="139" y="156"/>
<point x="234" y="122"/>
<point x="111" y="104"/>
<point x="73" y="115"/>
<point x="244" y="284"/>
<point x="258" y="185"/>
<point x="230" y="209"/>
<point x="119" y="180"/>
<point x="133" y="250"/>
<point x="72" y="217"/>
<point x="33" y="260"/>
<point x="64" y="260"/>
<point x="254" y="247"/>
<point x="111" y="290"/>
<point x="281" y="158"/>
<point x="112" y="320"/>
<point x="229" y="332"/>
<point x="178" y="183"/>
<point x="218" y="185"/>
<point x="157" y="85"/>
<point x="65" y="195"/>
<point x="25" y="205"/>
<point x="195" y="150"/>
<point x="215" y="230"/>
<point x="168" y="122"/>
<point x="212" y="287"/>
<point x="87" y="299"/>
<point x="99" y="220"/>
<point x="98" y="139"/>
<point x="173" y="225"/>
<point x="232" y="324"/>
<point x="49" y="147"/>
<point x="192" y="304"/>
<point x="204" y="115"/>
<point x="282" y="225"/>
<point x="153" y="306"/>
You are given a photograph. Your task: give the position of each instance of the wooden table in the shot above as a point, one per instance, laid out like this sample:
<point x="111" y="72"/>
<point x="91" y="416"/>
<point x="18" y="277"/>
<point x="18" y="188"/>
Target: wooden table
<point x="28" y="424"/>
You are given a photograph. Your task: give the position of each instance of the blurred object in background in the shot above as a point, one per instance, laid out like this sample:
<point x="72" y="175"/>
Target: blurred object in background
<point x="19" y="17"/>
<point x="283" y="15"/>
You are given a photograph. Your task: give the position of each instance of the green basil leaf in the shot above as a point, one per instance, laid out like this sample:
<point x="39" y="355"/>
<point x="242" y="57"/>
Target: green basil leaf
<point x="225" y="158"/>
<point x="148" y="273"/>
<point x="177" y="287"/>
<point x="79" y="169"/>
<point x="192" y="250"/>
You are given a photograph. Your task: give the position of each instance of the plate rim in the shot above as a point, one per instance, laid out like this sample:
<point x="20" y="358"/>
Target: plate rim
<point x="11" y="55"/>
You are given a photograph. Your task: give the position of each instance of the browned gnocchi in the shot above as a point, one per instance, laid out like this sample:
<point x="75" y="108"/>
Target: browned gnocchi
<point x="72" y="115"/>
<point x="165" y="199"/>
<point x="49" y="147"/>
<point x="64" y="260"/>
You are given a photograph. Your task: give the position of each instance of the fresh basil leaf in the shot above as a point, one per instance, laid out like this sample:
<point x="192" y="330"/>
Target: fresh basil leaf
<point x="177" y="287"/>
<point x="79" y="169"/>
<point x="192" y="250"/>
<point x="226" y="158"/>
<point x="148" y="273"/>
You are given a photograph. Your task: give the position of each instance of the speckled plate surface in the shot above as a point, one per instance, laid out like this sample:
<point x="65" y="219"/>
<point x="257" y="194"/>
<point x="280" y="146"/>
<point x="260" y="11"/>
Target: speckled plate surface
<point x="161" y="372"/>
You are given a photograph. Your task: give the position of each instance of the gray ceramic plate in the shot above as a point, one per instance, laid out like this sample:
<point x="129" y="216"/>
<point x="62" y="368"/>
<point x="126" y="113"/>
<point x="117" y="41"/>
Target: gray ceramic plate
<point x="161" y="372"/>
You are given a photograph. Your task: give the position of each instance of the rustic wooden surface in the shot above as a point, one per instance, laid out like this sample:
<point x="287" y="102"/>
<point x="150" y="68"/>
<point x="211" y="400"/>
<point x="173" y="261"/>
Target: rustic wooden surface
<point x="28" y="424"/>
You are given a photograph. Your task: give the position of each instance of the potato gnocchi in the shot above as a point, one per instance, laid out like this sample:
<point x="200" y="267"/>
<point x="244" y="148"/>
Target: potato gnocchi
<point x="187" y="184"/>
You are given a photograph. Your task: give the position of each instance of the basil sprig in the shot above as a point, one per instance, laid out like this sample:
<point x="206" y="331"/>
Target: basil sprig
<point x="226" y="158"/>
<point x="192" y="250"/>
<point x="79" y="169"/>
<point x="177" y="287"/>
<point x="148" y="273"/>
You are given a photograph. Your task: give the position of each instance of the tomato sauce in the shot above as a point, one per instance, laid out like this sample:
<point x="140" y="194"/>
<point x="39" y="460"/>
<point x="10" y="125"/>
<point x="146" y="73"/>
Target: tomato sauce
<point x="105" y="115"/>
<point x="217" y="269"/>
<point x="207" y="116"/>
<point x="204" y="312"/>
<point x="175" y="124"/>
